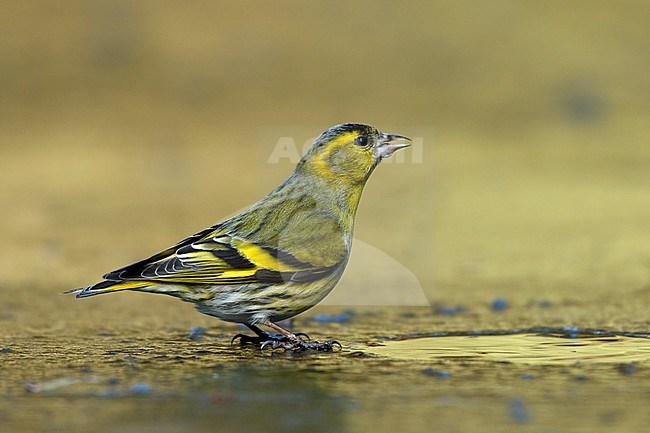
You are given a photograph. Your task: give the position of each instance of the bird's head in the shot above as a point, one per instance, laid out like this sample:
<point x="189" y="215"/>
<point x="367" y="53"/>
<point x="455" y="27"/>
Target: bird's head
<point x="349" y="152"/>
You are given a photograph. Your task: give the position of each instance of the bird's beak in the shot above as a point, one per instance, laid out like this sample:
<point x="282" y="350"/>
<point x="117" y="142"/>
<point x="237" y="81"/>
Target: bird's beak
<point x="388" y="144"/>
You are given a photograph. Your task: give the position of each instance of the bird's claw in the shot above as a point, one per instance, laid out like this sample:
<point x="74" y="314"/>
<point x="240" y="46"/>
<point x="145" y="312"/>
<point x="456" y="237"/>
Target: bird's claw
<point x="272" y="344"/>
<point x="244" y="339"/>
<point x="301" y="335"/>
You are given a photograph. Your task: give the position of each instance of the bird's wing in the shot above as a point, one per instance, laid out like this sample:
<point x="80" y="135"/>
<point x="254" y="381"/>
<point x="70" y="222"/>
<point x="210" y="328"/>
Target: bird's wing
<point x="134" y="268"/>
<point x="215" y="256"/>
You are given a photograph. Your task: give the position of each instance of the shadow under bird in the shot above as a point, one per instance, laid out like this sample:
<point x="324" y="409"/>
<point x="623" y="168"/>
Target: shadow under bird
<point x="279" y="257"/>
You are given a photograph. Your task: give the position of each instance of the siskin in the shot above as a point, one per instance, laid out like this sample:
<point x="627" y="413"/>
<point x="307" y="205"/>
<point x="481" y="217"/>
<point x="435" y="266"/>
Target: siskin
<point x="279" y="257"/>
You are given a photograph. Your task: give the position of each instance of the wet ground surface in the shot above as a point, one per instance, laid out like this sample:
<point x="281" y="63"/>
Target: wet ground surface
<point x="384" y="379"/>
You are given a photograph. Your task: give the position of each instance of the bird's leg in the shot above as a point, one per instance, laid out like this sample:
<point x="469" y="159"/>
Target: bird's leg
<point x="259" y="331"/>
<point x="262" y="336"/>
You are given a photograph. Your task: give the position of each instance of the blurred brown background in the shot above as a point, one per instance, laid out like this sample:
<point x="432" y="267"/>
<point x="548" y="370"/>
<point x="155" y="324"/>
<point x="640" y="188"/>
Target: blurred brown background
<point x="126" y="126"/>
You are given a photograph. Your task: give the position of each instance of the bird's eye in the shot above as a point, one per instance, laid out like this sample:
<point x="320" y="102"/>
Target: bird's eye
<point x="361" y="140"/>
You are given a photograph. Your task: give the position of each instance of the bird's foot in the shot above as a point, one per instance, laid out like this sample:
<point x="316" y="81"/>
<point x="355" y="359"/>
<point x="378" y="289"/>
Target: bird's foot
<point x="297" y="342"/>
<point x="299" y="345"/>
<point x="265" y="339"/>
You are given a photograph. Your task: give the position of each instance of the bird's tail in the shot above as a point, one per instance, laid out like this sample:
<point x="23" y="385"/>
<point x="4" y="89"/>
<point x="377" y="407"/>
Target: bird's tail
<point x="108" y="287"/>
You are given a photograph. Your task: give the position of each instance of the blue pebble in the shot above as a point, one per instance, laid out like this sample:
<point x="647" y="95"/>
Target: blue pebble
<point x="499" y="304"/>
<point x="526" y="376"/>
<point x="141" y="388"/>
<point x="196" y="332"/>
<point x="447" y="311"/>
<point x="436" y="373"/>
<point x="627" y="369"/>
<point x="331" y="318"/>
<point x="518" y="411"/>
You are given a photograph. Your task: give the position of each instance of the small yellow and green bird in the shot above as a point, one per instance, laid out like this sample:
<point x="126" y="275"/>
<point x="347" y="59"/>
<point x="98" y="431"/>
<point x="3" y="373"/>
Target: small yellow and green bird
<point x="279" y="257"/>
